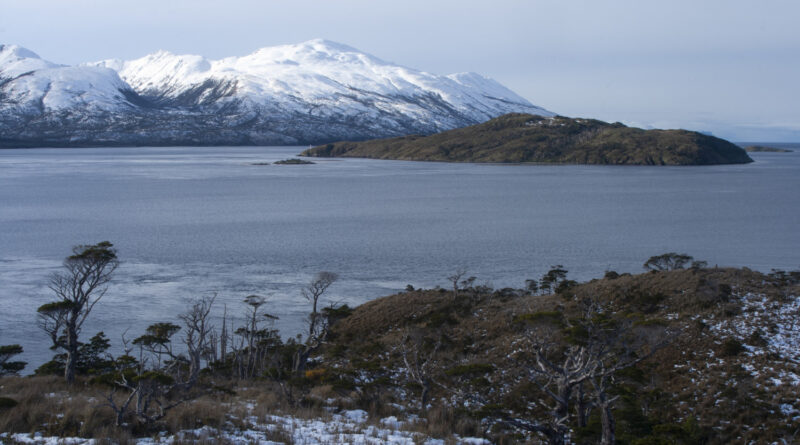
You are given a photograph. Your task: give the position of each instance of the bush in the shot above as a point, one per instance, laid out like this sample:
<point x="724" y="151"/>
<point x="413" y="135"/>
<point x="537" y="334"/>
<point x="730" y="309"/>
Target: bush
<point x="611" y="275"/>
<point x="731" y="347"/>
<point x="6" y="403"/>
<point x="470" y="369"/>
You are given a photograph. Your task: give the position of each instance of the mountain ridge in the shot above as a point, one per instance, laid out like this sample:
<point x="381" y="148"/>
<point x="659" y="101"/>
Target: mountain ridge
<point x="312" y="92"/>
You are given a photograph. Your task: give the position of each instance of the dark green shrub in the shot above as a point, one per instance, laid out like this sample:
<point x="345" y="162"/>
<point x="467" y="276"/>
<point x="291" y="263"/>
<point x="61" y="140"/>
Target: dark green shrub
<point x="6" y="403"/>
<point x="611" y="275"/>
<point x="470" y="369"/>
<point x="757" y="338"/>
<point x="731" y="347"/>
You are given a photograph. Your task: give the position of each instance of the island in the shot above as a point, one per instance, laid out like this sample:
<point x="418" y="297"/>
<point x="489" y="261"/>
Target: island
<point x="527" y="138"/>
<point x="763" y="148"/>
<point x="293" y="162"/>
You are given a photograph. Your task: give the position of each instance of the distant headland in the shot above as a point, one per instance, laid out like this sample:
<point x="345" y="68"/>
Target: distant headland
<point x="763" y="148"/>
<point x="527" y="138"/>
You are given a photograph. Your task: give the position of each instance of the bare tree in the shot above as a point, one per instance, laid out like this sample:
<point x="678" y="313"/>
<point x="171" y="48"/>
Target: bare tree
<point x="559" y="380"/>
<point x="77" y="288"/>
<point x="420" y="359"/>
<point x="317" y="322"/>
<point x="163" y="378"/>
<point x="197" y="335"/>
<point x="152" y="390"/>
<point x="600" y="346"/>
<point x="455" y="279"/>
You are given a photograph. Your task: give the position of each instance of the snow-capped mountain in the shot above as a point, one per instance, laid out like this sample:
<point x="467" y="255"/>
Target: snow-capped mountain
<point x="310" y="92"/>
<point x="34" y="86"/>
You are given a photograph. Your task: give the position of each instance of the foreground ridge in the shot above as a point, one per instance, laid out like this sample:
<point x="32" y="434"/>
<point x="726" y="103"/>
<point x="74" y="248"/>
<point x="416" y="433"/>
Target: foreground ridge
<point x="674" y="355"/>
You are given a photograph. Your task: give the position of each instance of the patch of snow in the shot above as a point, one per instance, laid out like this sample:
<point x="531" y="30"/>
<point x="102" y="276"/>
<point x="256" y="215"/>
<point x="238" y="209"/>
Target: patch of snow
<point x="38" y="439"/>
<point x="777" y="321"/>
<point x="392" y="422"/>
<point x="356" y="415"/>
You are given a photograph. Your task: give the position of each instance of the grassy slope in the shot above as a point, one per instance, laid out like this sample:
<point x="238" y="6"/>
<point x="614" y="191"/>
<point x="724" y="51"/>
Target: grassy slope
<point x="528" y="138"/>
<point x="734" y="396"/>
<point x="731" y="396"/>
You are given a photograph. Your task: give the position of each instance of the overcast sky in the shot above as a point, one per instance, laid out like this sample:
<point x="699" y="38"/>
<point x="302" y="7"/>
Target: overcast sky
<point x="731" y="67"/>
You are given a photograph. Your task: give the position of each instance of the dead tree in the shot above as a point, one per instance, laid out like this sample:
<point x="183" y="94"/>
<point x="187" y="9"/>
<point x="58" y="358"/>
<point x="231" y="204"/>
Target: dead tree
<point x="197" y="335"/>
<point x="559" y="379"/>
<point x="81" y="284"/>
<point x="580" y="354"/>
<point x="420" y="359"/>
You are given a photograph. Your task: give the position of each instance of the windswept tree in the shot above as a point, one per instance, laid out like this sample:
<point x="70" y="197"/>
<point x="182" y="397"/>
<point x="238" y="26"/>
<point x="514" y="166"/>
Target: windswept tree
<point x="459" y="283"/>
<point x="669" y="261"/>
<point x="8" y="367"/>
<point x="77" y="288"/>
<point x="553" y="278"/>
<point x="252" y="356"/>
<point x="162" y="378"/>
<point x="317" y="321"/>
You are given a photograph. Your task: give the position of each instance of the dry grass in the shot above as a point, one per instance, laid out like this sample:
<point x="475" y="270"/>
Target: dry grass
<point x="727" y="402"/>
<point x="47" y="405"/>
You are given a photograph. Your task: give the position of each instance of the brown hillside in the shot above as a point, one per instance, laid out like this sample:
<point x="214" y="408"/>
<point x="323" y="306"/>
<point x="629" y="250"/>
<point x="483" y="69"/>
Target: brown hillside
<point x="728" y="365"/>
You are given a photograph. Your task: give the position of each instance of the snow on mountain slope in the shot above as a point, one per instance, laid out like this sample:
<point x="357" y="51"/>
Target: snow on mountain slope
<point x="15" y="61"/>
<point x="312" y="92"/>
<point x="318" y="73"/>
<point x="31" y="85"/>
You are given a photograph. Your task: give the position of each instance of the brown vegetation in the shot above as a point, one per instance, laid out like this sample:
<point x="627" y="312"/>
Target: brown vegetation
<point x="672" y="356"/>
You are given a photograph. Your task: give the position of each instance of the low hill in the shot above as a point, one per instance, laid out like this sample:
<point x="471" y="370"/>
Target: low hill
<point x="518" y="138"/>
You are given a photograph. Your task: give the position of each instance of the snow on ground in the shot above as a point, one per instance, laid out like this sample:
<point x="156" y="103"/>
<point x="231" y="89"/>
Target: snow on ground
<point x="769" y="330"/>
<point x="347" y="427"/>
<point x="777" y="322"/>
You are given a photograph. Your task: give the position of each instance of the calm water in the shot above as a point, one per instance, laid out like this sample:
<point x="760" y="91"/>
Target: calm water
<point x="190" y="222"/>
